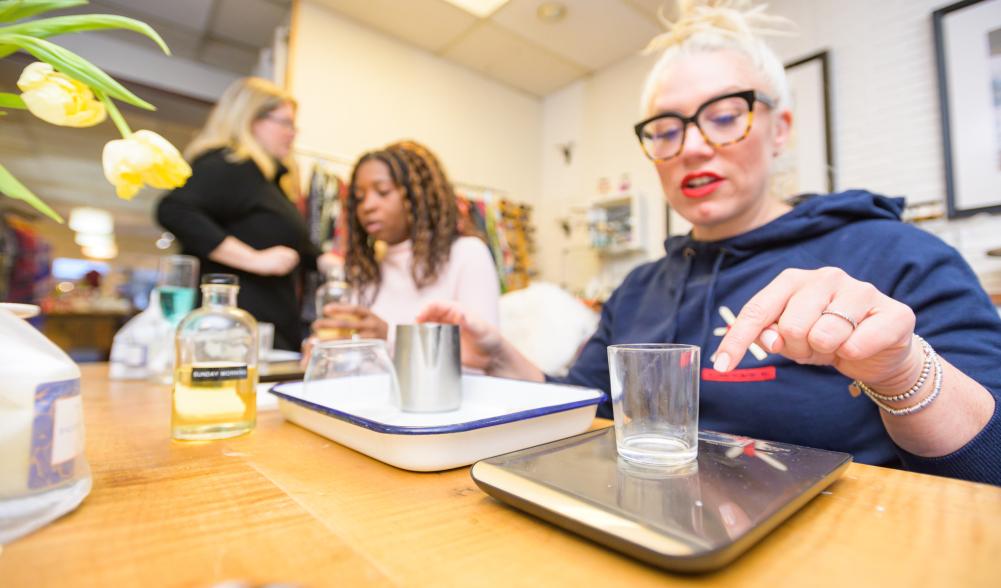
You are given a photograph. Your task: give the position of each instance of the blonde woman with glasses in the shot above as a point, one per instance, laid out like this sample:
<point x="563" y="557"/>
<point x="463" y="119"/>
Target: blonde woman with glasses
<point x="831" y="324"/>
<point x="234" y="213"/>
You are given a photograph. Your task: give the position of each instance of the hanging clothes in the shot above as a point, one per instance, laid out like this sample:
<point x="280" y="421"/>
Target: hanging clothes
<point x="31" y="265"/>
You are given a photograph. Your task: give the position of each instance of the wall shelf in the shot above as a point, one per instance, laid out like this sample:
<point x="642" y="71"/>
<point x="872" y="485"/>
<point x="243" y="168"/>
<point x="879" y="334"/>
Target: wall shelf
<point x="615" y="224"/>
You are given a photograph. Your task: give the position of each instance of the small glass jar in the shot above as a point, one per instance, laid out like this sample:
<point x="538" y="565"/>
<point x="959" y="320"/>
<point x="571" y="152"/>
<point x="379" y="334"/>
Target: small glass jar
<point x="334" y="290"/>
<point x="215" y="382"/>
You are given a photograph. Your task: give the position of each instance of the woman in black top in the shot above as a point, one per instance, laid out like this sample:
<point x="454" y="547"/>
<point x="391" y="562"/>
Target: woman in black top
<point x="233" y="213"/>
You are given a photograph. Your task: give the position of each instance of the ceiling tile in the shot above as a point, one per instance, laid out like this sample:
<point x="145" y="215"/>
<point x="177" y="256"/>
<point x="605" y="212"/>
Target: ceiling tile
<point x="651" y="8"/>
<point x="500" y="54"/>
<point x="181" y="41"/>
<point x="592" y="34"/>
<point x="429" y="24"/>
<point x="192" y="14"/>
<point x="229" y="57"/>
<point x="248" y="22"/>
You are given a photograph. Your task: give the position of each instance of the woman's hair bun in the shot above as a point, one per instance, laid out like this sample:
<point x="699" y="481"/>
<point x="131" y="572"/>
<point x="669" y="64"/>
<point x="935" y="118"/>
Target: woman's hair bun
<point x="729" y="18"/>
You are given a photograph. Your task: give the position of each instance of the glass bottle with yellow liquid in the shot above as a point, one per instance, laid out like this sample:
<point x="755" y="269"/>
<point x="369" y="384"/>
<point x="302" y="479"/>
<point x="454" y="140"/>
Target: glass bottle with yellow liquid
<point x="215" y="383"/>
<point x="334" y="290"/>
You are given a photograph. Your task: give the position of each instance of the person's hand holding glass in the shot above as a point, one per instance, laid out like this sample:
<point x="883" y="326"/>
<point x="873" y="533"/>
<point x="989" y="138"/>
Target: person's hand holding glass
<point x="338" y="317"/>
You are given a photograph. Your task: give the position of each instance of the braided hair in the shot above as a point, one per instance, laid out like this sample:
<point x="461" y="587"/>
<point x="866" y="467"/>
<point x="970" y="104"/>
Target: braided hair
<point x="432" y="217"/>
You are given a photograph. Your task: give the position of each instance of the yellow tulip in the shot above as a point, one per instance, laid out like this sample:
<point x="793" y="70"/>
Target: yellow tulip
<point x="57" y="98"/>
<point x="143" y="158"/>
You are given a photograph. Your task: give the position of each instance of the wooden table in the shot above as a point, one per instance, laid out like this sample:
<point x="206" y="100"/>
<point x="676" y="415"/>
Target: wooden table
<point x="285" y="505"/>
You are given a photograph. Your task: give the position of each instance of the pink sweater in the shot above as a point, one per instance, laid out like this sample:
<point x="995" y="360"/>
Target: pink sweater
<point x="469" y="278"/>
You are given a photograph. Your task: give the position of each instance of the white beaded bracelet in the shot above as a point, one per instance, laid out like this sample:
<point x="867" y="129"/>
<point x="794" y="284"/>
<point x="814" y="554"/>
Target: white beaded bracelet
<point x="936" y="390"/>
<point x="925" y="371"/>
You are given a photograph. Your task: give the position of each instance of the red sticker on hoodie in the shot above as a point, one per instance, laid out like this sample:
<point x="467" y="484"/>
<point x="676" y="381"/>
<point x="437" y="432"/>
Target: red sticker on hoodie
<point x="761" y="374"/>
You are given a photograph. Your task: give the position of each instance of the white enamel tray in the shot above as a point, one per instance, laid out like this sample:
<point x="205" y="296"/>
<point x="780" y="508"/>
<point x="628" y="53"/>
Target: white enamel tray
<point x="280" y="355"/>
<point x="497" y="416"/>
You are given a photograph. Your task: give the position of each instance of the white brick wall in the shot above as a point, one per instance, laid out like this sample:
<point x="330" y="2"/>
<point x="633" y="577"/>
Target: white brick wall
<point x="884" y="90"/>
<point x="887" y="128"/>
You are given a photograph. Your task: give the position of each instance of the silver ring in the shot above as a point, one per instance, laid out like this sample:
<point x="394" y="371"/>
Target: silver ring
<point x="841" y="315"/>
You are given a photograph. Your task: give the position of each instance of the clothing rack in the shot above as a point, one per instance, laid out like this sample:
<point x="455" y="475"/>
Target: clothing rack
<point x="25" y="257"/>
<point x="323" y="156"/>
<point x="507" y="229"/>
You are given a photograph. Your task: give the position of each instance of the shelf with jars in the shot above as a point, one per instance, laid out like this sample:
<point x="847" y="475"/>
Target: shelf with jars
<point x="615" y="224"/>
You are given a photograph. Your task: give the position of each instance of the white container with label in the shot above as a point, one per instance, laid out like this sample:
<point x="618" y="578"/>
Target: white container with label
<point x="43" y="472"/>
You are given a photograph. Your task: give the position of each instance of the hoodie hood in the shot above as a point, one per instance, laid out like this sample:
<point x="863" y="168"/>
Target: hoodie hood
<point x="812" y="217"/>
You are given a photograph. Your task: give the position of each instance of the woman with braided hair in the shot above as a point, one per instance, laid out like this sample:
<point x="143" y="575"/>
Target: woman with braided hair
<point x="828" y="297"/>
<point x="401" y="196"/>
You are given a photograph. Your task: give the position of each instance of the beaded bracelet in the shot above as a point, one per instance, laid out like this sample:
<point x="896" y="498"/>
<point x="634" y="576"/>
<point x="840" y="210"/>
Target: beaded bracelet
<point x="936" y="389"/>
<point x="925" y="371"/>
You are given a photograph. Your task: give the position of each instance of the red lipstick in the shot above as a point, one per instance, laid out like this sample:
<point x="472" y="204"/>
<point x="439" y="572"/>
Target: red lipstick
<point x="700" y="184"/>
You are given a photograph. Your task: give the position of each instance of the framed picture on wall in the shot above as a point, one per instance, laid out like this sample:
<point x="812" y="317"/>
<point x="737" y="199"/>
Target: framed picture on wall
<point x="809" y="160"/>
<point x="968" y="47"/>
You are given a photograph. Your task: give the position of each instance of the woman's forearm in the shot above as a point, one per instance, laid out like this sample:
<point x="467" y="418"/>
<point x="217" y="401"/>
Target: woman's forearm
<point x="235" y="253"/>
<point x="961" y="411"/>
<point x="510" y="363"/>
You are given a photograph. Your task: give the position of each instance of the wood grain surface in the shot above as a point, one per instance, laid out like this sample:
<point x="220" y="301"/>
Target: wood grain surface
<point x="283" y="505"/>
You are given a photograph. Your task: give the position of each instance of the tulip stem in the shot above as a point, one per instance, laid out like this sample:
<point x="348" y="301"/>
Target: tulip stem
<point x="115" y="114"/>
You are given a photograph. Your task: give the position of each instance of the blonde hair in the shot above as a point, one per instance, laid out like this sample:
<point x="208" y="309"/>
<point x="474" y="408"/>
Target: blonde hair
<point x="229" y="124"/>
<point x="715" y="25"/>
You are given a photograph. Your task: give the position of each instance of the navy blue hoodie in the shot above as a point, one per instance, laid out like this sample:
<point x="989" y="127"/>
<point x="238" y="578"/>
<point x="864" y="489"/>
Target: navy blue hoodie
<point x="678" y="299"/>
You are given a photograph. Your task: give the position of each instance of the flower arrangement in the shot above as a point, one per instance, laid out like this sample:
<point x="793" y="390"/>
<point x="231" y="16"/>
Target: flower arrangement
<point x="65" y="89"/>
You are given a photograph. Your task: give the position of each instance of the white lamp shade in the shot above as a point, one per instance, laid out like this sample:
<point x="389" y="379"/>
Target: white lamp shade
<point x="94" y="240"/>
<point x="101" y="251"/>
<point x="95" y="221"/>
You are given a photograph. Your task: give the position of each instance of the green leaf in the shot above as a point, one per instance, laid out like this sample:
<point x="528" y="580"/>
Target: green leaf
<point x="74" y="66"/>
<point x="11" y="10"/>
<point x="8" y="100"/>
<point x="10" y="186"/>
<point x="59" y="25"/>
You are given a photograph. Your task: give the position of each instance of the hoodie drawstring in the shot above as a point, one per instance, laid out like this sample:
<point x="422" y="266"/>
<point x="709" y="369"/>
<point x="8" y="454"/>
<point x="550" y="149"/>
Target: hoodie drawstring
<point x="687" y="256"/>
<point x="707" y="305"/>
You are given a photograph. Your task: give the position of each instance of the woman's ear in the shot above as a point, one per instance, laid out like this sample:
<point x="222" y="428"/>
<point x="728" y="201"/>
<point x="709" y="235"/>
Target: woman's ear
<point x="781" y="131"/>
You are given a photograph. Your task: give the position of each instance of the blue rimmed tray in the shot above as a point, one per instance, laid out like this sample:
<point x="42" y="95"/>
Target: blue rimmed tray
<point x="498" y="415"/>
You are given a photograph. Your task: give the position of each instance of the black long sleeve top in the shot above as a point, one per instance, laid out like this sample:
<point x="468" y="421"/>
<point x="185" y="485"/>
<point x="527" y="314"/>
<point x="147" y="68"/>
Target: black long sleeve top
<point x="224" y="198"/>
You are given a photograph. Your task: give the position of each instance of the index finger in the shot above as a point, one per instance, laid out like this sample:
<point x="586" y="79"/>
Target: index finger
<point x="759" y="313"/>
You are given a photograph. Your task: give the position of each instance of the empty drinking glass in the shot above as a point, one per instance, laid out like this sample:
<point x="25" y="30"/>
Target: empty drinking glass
<point x="358" y="368"/>
<point x="655" y="402"/>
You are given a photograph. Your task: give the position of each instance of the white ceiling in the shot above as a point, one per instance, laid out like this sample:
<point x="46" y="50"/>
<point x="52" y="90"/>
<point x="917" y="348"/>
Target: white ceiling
<point x="513" y="45"/>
